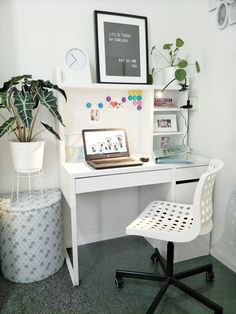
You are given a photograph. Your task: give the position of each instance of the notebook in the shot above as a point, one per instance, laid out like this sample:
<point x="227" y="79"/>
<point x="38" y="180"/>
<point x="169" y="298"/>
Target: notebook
<point x="107" y="148"/>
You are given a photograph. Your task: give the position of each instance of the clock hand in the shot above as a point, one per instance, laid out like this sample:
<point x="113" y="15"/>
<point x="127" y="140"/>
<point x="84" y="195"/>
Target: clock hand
<point x="76" y="60"/>
<point x="72" y="63"/>
<point x="73" y="56"/>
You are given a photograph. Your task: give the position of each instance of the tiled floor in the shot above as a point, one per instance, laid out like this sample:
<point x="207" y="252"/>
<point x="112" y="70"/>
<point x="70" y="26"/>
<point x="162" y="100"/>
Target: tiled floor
<point x="97" y="292"/>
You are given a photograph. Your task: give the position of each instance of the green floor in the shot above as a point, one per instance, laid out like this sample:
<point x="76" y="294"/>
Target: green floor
<point x="98" y="294"/>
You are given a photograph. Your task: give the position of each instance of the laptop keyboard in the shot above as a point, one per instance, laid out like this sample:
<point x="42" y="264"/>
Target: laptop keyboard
<point x="112" y="160"/>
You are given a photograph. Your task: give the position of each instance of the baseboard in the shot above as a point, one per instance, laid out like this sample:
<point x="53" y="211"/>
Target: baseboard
<point x="87" y="240"/>
<point x="223" y="260"/>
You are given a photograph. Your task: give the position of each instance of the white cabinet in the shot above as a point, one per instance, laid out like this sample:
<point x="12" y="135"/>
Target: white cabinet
<point x="170" y="122"/>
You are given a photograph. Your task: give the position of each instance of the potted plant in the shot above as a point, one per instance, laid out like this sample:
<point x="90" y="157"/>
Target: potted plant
<point x="21" y="99"/>
<point x="176" y="67"/>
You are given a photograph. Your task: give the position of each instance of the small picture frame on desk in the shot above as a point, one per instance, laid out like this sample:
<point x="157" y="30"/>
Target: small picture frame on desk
<point x="121" y="48"/>
<point x="74" y="150"/>
<point x="165" y="123"/>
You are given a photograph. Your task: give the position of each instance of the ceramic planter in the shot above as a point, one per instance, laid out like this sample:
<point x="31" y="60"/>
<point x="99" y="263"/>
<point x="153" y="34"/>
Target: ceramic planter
<point x="27" y="156"/>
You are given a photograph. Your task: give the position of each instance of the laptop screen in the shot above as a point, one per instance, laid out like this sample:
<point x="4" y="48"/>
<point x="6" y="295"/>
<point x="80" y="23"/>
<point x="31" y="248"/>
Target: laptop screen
<point x="105" y="143"/>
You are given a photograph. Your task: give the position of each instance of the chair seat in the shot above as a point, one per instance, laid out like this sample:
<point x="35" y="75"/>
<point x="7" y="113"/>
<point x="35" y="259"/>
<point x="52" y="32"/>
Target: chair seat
<point x="165" y="221"/>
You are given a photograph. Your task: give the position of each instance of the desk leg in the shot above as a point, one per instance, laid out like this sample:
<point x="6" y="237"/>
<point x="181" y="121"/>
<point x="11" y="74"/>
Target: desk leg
<point x="75" y="245"/>
<point x="74" y="266"/>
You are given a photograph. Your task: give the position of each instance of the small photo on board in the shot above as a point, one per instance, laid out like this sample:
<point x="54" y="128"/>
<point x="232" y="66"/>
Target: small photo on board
<point x="165" y="123"/>
<point x="94" y="115"/>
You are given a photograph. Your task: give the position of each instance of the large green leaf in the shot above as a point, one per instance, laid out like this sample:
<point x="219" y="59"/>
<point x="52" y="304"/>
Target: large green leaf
<point x="50" y="101"/>
<point x="180" y="74"/>
<point x="6" y="126"/>
<point x="14" y="81"/>
<point x="3" y="100"/>
<point x="24" y="103"/>
<point x="50" y="129"/>
<point x="50" y="85"/>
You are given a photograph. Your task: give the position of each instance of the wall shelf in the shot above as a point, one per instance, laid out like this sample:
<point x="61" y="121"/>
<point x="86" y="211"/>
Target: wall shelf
<point x="113" y="86"/>
<point x="167" y="133"/>
<point x="171" y="138"/>
<point x="121" y="86"/>
<point x="166" y="109"/>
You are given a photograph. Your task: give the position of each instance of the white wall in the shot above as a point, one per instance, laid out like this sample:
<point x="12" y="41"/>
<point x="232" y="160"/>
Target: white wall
<point x="36" y="34"/>
<point x="213" y="130"/>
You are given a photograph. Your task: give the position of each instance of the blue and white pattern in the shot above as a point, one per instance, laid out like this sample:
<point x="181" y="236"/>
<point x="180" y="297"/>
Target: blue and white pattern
<point x="31" y="236"/>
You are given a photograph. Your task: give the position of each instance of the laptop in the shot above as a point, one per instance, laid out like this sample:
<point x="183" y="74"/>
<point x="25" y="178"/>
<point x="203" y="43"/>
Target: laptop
<point x="107" y="148"/>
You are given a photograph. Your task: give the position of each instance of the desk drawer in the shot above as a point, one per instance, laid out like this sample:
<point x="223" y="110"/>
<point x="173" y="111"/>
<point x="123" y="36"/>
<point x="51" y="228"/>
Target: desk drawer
<point x="124" y="180"/>
<point x="190" y="173"/>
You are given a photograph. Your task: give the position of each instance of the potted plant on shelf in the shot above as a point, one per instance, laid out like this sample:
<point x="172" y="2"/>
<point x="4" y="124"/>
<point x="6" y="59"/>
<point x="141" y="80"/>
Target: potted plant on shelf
<point x="21" y="99"/>
<point x="176" y="67"/>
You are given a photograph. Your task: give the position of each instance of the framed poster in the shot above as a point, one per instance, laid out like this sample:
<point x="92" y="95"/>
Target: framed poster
<point x="121" y="48"/>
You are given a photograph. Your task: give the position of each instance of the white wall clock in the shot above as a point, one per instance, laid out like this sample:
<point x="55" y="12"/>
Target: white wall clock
<point x="222" y="14"/>
<point x="76" y="67"/>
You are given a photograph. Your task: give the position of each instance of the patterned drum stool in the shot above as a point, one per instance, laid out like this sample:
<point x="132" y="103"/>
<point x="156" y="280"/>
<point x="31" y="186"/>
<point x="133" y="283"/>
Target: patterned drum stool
<point x="31" y="237"/>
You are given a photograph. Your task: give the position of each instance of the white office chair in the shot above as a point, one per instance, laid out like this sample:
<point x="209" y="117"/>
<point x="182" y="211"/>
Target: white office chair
<point x="174" y="222"/>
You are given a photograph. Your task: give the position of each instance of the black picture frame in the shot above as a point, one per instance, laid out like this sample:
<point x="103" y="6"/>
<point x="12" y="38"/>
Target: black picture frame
<point x="121" y="42"/>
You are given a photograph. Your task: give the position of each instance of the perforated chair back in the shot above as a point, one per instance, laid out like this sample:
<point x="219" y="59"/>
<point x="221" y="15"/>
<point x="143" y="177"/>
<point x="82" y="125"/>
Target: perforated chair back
<point x="202" y="203"/>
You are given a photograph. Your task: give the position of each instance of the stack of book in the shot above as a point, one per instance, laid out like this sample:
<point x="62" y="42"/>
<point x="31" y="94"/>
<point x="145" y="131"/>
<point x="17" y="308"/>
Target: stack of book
<point x="173" y="154"/>
<point x="163" y="102"/>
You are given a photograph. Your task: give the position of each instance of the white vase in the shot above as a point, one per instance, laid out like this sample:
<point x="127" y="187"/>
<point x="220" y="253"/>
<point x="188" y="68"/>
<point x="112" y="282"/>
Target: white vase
<point x="27" y="156"/>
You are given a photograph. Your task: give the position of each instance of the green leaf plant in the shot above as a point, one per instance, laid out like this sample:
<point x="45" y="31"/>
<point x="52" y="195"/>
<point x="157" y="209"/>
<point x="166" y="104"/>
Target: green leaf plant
<point x="20" y="101"/>
<point x="171" y="56"/>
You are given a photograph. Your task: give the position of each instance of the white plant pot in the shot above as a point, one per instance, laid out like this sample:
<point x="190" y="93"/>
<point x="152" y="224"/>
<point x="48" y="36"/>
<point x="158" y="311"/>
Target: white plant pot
<point x="27" y="156"/>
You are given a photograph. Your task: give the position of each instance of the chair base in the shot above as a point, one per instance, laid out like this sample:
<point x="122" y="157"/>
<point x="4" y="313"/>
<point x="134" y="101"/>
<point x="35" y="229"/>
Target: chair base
<point x="169" y="278"/>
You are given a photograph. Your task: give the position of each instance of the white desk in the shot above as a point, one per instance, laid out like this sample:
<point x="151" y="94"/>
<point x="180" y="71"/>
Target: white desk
<point x="77" y="178"/>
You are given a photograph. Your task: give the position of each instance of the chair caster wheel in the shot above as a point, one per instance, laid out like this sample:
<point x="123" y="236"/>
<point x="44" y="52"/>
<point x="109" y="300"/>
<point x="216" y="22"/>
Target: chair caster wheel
<point x="154" y="258"/>
<point x="119" y="282"/>
<point x="210" y="275"/>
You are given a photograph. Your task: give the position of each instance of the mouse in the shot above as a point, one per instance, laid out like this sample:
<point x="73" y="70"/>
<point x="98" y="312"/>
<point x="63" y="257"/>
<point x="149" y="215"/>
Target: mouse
<point x="144" y="159"/>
